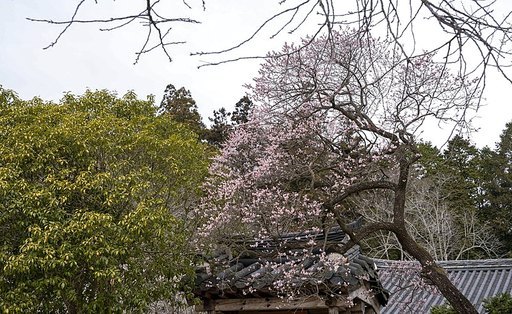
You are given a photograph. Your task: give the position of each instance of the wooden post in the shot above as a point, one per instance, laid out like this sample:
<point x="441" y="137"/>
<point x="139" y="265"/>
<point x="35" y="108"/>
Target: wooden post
<point x="209" y="306"/>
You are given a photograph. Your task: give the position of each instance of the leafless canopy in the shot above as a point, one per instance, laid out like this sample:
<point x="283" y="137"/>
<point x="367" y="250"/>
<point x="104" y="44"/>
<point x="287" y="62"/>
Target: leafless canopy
<point x="466" y="27"/>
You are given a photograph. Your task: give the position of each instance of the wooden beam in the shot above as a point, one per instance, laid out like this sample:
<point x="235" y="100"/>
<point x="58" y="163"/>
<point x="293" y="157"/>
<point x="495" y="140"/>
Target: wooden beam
<point x="257" y="304"/>
<point x="334" y="305"/>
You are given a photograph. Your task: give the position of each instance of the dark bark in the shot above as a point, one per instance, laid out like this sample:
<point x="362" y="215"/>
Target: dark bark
<point x="435" y="273"/>
<point x="358" y="188"/>
<point x="430" y="269"/>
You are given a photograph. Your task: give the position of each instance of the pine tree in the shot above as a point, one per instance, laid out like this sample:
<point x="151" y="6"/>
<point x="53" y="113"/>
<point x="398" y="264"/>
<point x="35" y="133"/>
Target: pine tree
<point x="498" y="208"/>
<point x="181" y="107"/>
<point x="221" y="126"/>
<point x="243" y="109"/>
<point x="461" y="161"/>
<point x="217" y="134"/>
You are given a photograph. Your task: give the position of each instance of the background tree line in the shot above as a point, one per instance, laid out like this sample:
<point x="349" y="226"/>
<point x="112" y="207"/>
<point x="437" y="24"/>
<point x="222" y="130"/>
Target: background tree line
<point x="458" y="205"/>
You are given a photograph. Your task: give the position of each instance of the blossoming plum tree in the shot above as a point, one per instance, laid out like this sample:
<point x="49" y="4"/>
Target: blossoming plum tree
<point x="333" y="119"/>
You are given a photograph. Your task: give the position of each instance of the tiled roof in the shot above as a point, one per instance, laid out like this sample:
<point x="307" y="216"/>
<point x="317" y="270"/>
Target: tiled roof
<point x="240" y="277"/>
<point x="477" y="279"/>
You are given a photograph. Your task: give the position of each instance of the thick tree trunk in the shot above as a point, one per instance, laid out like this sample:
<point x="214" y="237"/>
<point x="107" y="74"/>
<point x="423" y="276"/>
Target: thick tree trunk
<point x="436" y="274"/>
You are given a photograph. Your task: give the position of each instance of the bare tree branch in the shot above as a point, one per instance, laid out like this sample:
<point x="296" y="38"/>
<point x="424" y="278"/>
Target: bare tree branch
<point x="473" y="25"/>
<point x="150" y="17"/>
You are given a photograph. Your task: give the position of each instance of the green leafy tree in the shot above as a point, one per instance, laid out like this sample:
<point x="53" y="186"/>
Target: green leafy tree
<point x="466" y="171"/>
<point x="94" y="192"/>
<point x="462" y="162"/>
<point x="243" y="109"/>
<point x="441" y="207"/>
<point x="431" y="161"/>
<point x="500" y="304"/>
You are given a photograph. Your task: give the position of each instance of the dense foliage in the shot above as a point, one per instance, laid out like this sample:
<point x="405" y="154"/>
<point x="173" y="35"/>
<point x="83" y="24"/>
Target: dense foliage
<point x="181" y="107"/>
<point x="223" y="122"/>
<point x="499" y="304"/>
<point x="94" y="194"/>
<point x="476" y="190"/>
<point x="496" y="206"/>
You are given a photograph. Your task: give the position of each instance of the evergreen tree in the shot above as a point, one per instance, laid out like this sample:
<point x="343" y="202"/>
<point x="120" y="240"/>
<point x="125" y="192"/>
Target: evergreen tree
<point x="217" y="134"/>
<point x="462" y="163"/>
<point x="219" y="131"/>
<point x="243" y="109"/>
<point x="181" y="107"/>
<point x="498" y="206"/>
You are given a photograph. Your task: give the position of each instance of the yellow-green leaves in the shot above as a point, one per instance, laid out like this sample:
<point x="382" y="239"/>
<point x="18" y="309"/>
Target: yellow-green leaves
<point x="94" y="193"/>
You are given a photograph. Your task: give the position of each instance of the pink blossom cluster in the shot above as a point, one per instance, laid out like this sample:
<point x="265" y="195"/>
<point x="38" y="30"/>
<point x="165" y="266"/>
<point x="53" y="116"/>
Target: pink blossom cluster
<point x="335" y="113"/>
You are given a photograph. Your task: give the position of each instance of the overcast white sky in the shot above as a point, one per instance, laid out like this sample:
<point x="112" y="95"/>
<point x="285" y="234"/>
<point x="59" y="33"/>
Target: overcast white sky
<point x="87" y="58"/>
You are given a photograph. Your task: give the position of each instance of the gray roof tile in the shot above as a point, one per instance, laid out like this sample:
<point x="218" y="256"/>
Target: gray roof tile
<point x="477" y="279"/>
<point x="234" y="277"/>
